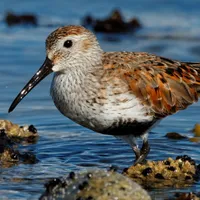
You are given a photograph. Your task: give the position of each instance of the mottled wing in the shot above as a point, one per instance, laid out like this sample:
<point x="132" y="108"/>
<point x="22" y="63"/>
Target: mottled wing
<point x="165" y="86"/>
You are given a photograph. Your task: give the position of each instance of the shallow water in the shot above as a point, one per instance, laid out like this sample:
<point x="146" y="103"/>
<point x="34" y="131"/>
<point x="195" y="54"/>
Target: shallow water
<point x="63" y="145"/>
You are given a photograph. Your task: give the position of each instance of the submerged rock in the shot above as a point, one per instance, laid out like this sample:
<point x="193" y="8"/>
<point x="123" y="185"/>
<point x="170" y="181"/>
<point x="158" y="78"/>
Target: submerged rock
<point x="94" y="185"/>
<point x="157" y="174"/>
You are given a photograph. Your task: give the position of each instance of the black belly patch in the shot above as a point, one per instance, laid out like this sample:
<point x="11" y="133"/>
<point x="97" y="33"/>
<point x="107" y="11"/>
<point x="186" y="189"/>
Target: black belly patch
<point x="126" y="128"/>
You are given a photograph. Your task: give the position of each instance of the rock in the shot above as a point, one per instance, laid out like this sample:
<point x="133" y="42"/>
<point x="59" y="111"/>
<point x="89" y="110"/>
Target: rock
<point x="195" y="139"/>
<point x="10" y="135"/>
<point x="187" y="196"/>
<point x="94" y="184"/>
<point x="196" y="130"/>
<point x="134" y="22"/>
<point x="114" y="23"/>
<point x="4" y="140"/>
<point x="157" y="174"/>
<point x="10" y="157"/>
<point x="19" y="133"/>
<point x="12" y="19"/>
<point x="174" y="135"/>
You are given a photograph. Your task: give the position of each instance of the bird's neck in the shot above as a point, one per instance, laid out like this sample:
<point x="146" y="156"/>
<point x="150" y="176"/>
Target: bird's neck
<point x="82" y="65"/>
<point x="82" y="68"/>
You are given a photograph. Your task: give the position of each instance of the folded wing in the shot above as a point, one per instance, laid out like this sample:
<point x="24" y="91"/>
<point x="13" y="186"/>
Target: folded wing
<point x="164" y="85"/>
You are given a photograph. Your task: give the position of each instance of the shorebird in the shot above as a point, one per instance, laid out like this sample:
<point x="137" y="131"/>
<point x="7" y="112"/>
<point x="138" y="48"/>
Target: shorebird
<point x="123" y="94"/>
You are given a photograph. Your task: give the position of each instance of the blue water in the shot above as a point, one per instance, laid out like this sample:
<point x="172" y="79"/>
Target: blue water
<point x="63" y="145"/>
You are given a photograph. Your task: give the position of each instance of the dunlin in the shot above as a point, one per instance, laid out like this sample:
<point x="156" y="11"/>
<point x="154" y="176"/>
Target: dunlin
<point x="117" y="93"/>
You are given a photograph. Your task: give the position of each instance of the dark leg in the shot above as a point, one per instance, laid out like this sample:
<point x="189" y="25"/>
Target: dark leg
<point x="140" y="154"/>
<point x="143" y="153"/>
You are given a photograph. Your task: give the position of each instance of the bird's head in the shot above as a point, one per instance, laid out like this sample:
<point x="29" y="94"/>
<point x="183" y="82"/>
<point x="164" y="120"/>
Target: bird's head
<point x="66" y="48"/>
<point x="72" y="46"/>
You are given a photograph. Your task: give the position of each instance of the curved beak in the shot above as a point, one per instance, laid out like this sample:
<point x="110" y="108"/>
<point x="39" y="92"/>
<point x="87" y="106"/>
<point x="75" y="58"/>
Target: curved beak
<point x="44" y="70"/>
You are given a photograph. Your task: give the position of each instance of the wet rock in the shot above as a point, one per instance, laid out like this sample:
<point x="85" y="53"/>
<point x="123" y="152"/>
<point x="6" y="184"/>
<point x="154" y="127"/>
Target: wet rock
<point x="72" y="175"/>
<point x="4" y="140"/>
<point x="174" y="135"/>
<point x="32" y="129"/>
<point x="10" y="135"/>
<point x="186" y="196"/>
<point x="171" y="168"/>
<point x="28" y="158"/>
<point x="12" y="19"/>
<point x="94" y="185"/>
<point x="114" y="23"/>
<point x="196" y="130"/>
<point x="185" y="158"/>
<point x="147" y="171"/>
<point x="167" y="162"/>
<point x="19" y="133"/>
<point x="195" y="139"/>
<point x="113" y="168"/>
<point x="159" y="176"/>
<point x="10" y="157"/>
<point x="52" y="185"/>
<point x="180" y="172"/>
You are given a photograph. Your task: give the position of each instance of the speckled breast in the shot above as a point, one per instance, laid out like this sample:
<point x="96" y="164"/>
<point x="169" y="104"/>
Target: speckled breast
<point x="100" y="107"/>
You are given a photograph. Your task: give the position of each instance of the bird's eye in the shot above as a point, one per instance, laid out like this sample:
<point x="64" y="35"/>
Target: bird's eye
<point x="68" y="43"/>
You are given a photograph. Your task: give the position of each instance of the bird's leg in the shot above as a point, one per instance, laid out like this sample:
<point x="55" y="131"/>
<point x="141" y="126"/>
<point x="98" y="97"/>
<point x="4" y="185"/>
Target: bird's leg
<point x="136" y="151"/>
<point x="142" y="154"/>
<point x="131" y="140"/>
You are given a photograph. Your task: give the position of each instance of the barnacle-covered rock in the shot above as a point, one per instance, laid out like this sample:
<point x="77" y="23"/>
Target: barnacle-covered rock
<point x="94" y="185"/>
<point x="154" y="174"/>
<point x="10" y="135"/>
<point x="10" y="157"/>
<point x="16" y="132"/>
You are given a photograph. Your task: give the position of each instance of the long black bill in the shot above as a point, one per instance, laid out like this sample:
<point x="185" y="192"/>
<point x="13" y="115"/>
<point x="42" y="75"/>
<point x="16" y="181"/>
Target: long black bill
<point x="45" y="70"/>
